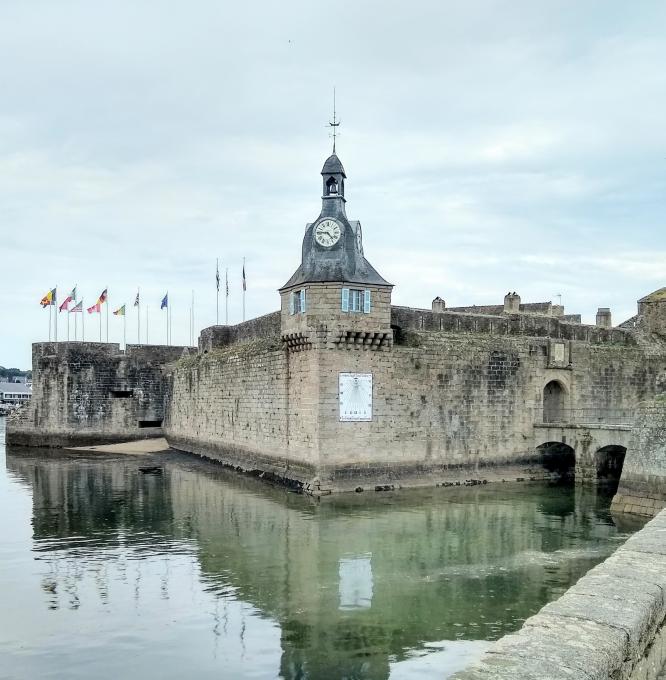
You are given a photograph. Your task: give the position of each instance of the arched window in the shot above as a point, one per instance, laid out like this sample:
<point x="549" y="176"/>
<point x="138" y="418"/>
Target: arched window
<point x="332" y="186"/>
<point x="553" y="402"/>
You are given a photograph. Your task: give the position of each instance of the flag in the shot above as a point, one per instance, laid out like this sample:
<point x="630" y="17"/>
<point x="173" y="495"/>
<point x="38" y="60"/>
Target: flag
<point x="94" y="308"/>
<point x="136" y="301"/>
<point x="165" y="301"/>
<point x="77" y="308"/>
<point x="49" y="298"/>
<point x="244" y="281"/>
<point x="120" y="311"/>
<point x="226" y="280"/>
<point x="72" y="295"/>
<point x="64" y="307"/>
<point x="217" y="275"/>
<point x="102" y="298"/>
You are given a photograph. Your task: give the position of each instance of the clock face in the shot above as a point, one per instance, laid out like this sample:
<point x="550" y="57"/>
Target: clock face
<point x="327" y="233"/>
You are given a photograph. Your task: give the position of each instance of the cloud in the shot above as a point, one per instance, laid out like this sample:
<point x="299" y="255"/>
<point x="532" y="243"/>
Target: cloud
<point x="489" y="146"/>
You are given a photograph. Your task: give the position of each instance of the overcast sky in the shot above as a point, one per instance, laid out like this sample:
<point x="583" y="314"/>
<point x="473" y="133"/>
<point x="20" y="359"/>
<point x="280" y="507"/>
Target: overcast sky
<point x="489" y="146"/>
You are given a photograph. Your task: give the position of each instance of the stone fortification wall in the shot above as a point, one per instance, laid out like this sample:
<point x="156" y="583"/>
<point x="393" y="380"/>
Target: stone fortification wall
<point x="545" y="308"/>
<point x="409" y="318"/>
<point x="445" y="404"/>
<point x="250" y="405"/>
<point x="609" y="625"/>
<point x="262" y="327"/>
<point x="89" y="393"/>
<point x="642" y="488"/>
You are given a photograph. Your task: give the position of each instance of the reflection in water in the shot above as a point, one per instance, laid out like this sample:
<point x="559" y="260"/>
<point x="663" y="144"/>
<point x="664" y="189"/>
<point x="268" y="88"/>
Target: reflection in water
<point x="199" y="572"/>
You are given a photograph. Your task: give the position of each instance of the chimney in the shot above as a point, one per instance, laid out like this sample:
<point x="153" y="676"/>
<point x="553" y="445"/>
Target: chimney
<point x="438" y="305"/>
<point x="604" y="317"/>
<point x="512" y="303"/>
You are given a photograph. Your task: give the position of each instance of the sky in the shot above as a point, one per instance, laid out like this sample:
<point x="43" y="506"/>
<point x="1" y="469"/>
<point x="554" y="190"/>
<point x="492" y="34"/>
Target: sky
<point x="489" y="146"/>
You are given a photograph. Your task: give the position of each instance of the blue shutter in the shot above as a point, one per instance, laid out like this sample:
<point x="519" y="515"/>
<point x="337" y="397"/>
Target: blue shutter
<point x="302" y="300"/>
<point x="366" y="301"/>
<point x="345" y="299"/>
<point x="291" y="303"/>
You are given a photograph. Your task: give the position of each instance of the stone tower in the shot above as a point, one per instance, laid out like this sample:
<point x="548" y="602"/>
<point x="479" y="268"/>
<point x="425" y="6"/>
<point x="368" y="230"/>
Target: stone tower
<point x="335" y="298"/>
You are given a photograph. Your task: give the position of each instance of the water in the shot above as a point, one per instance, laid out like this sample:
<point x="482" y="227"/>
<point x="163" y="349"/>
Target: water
<point x="106" y="572"/>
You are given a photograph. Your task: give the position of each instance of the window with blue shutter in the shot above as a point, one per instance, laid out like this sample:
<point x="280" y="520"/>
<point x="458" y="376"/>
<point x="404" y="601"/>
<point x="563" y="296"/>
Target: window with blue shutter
<point x="345" y="299"/>
<point x="302" y="300"/>
<point x="366" y="301"/>
<point x="291" y="303"/>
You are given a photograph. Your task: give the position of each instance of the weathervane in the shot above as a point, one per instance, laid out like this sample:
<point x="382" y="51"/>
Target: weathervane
<point x="334" y="124"/>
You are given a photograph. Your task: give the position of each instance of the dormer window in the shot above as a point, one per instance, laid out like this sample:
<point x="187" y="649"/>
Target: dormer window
<point x="332" y="186"/>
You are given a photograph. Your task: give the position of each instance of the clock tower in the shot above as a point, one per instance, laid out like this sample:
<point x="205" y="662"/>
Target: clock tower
<point x="335" y="298"/>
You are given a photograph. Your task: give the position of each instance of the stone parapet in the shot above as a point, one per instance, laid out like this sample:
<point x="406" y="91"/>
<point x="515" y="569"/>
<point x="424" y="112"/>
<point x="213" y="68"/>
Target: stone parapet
<point x="609" y="625"/>
<point x="409" y="318"/>
<point x="263" y="327"/>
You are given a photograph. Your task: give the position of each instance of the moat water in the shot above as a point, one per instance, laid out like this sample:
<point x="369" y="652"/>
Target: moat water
<point x="110" y="572"/>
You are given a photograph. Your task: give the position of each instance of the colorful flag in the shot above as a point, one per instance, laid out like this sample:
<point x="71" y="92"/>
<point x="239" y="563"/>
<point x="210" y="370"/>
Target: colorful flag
<point x="136" y="301"/>
<point x="73" y="294"/>
<point x="102" y="298"/>
<point x="244" y="282"/>
<point x="120" y="311"/>
<point x="77" y="308"/>
<point x="94" y="308"/>
<point x="165" y="301"/>
<point x="217" y="275"/>
<point x="49" y="298"/>
<point x="64" y="307"/>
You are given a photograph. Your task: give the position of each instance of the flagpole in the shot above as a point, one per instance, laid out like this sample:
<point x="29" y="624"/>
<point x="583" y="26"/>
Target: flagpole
<point x="244" y="289"/>
<point x="55" y="312"/>
<point x="138" y="316"/>
<point x="68" y="326"/>
<point x="75" y="320"/>
<point x="107" y="313"/>
<point x="147" y="341"/>
<point x="99" y="311"/>
<point x="125" y="332"/>
<point x="226" y="299"/>
<point x="167" y="322"/>
<point x="217" y="295"/>
<point x="83" y="323"/>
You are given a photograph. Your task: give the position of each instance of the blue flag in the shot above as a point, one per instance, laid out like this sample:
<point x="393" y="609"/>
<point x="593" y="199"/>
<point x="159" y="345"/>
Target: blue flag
<point x="165" y="301"/>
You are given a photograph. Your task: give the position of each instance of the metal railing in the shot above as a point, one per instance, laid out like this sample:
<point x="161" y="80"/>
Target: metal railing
<point x="589" y="416"/>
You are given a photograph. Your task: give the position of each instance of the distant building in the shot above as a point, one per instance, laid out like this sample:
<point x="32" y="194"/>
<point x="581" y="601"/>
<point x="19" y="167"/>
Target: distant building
<point x="14" y="392"/>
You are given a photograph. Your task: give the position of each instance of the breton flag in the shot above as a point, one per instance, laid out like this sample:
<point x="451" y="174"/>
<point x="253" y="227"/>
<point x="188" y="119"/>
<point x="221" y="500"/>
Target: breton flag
<point x="136" y="301"/>
<point x="120" y="311"/>
<point x="165" y="301"/>
<point x="102" y="298"/>
<point x="78" y="307"/>
<point x="94" y="308"/>
<point x="49" y="298"/>
<point x="226" y="280"/>
<point x="244" y="281"/>
<point x="217" y="275"/>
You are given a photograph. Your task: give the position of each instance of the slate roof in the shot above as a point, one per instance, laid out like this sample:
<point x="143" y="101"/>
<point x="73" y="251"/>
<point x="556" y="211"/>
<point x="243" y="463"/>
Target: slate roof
<point x="333" y="166"/>
<point x="16" y="388"/>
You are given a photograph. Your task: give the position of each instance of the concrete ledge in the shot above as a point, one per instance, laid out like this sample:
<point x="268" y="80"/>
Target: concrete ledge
<point x="609" y="625"/>
<point x="42" y="439"/>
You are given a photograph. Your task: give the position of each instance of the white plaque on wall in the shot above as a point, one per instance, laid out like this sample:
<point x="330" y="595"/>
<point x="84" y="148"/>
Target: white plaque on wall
<point x="559" y="352"/>
<point x="355" y="396"/>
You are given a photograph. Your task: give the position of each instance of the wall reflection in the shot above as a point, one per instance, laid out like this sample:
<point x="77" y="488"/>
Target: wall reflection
<point x="353" y="583"/>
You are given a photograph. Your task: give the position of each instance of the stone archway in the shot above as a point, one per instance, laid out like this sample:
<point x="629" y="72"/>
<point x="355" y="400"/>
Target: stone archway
<point x="608" y="461"/>
<point x="558" y="457"/>
<point x="554" y="399"/>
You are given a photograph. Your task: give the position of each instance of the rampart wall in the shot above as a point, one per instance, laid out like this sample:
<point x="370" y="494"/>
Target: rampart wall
<point x="609" y="625"/>
<point x="448" y="405"/>
<point x="642" y="488"/>
<point x="90" y="393"/>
